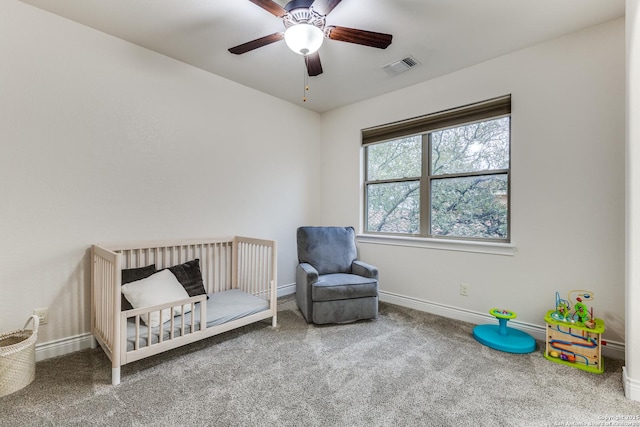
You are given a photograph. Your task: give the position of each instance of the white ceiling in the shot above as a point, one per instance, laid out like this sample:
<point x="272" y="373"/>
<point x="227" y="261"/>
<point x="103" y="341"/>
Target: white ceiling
<point x="443" y="35"/>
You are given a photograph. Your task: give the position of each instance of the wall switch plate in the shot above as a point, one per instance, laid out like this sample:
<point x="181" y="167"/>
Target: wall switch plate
<point x="43" y="314"/>
<point x="464" y="289"/>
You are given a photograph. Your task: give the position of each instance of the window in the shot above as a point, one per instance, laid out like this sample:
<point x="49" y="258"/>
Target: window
<point x="444" y="175"/>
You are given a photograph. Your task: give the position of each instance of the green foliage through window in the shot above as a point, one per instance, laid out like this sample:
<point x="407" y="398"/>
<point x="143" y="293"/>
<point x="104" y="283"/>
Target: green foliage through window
<point x="394" y="207"/>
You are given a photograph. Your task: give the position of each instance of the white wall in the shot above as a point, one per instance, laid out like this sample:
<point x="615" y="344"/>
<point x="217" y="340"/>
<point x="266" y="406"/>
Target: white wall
<point x="102" y="140"/>
<point x="568" y="121"/>
<point x="632" y="360"/>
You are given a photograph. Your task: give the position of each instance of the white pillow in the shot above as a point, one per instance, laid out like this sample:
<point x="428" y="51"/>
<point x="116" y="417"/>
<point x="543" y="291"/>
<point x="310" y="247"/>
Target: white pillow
<point x="159" y="288"/>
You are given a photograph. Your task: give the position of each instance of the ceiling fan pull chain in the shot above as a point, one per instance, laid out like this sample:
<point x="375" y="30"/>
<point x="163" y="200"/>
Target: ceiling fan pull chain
<point x="306" y="80"/>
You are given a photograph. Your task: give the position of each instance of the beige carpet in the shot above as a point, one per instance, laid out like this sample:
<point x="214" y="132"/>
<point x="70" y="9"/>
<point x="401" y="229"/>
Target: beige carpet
<point x="407" y="368"/>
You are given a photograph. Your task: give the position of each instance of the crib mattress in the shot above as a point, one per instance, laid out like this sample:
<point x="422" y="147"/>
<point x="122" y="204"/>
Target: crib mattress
<point x="222" y="307"/>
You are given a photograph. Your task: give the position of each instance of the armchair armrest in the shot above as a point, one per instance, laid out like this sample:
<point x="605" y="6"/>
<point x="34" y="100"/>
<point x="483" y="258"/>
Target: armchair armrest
<point x="306" y="276"/>
<point x="365" y="270"/>
<point x="306" y="272"/>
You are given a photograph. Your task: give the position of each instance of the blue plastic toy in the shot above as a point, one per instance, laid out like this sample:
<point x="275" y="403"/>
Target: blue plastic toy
<point x="503" y="338"/>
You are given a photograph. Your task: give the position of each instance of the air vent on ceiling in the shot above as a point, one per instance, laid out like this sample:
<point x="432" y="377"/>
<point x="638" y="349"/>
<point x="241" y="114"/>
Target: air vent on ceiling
<point x="397" y="67"/>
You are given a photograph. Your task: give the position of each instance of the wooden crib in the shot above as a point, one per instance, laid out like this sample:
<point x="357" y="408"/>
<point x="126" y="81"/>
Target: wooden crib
<point x="239" y="276"/>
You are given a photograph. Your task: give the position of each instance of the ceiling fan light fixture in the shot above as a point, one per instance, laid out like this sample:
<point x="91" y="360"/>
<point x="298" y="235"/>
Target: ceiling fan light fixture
<point x="304" y="39"/>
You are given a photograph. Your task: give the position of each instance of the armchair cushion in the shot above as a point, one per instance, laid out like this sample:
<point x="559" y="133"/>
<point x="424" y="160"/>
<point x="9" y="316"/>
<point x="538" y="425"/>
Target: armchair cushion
<point x="340" y="286"/>
<point x="327" y="249"/>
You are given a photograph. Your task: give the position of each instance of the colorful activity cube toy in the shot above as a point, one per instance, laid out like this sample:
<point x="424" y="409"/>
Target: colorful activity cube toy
<point x="574" y="335"/>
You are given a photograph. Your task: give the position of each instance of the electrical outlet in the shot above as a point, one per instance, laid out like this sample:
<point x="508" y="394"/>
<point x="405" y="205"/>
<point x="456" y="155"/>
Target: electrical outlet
<point x="43" y="314"/>
<point x="464" y="289"/>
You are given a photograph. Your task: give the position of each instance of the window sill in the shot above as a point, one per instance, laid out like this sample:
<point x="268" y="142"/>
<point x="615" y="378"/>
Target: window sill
<point x="504" y="249"/>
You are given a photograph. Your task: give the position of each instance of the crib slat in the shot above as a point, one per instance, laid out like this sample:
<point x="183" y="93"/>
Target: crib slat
<point x="172" y="328"/>
<point x="136" y="344"/>
<point x="182" y="323"/>
<point x="148" y="329"/>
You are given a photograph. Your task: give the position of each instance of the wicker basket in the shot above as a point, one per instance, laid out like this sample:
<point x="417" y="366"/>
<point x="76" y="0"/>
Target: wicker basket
<point x="18" y="357"/>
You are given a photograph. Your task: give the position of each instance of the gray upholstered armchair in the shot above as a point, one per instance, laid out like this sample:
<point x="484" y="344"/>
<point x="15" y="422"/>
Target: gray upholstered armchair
<point x="332" y="286"/>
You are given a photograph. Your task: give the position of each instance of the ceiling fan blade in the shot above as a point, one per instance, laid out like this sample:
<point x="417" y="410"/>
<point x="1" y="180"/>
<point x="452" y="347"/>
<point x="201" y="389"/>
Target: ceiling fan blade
<point x="363" y="37"/>
<point x="314" y="67"/>
<point x="324" y="7"/>
<point x="271" y="7"/>
<point x="254" y="44"/>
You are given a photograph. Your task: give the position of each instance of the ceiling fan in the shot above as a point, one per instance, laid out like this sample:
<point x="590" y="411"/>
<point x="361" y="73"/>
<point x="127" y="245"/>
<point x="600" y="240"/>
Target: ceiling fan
<point x="305" y="29"/>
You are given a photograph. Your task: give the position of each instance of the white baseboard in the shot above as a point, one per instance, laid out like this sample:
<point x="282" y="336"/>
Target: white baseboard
<point x="613" y="349"/>
<point x="286" y="290"/>
<point x="63" y="346"/>
<point x="631" y="386"/>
